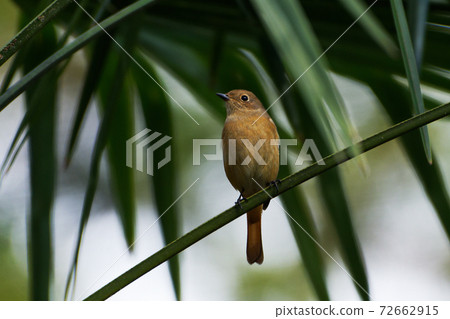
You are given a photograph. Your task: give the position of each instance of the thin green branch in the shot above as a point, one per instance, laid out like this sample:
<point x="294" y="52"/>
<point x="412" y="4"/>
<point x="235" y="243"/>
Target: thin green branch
<point x="287" y="183"/>
<point x="31" y="29"/>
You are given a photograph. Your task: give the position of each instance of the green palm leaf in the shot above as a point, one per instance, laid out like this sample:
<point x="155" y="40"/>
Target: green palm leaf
<point x="410" y="63"/>
<point x="41" y="132"/>
<point x="156" y="110"/>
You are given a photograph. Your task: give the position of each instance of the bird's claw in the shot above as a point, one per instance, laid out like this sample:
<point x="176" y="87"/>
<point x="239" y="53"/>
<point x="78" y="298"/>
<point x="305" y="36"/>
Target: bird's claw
<point x="275" y="183"/>
<point x="240" y="199"/>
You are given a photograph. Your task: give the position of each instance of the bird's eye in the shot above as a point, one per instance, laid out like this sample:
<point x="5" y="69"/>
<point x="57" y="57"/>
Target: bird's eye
<point x="244" y="98"/>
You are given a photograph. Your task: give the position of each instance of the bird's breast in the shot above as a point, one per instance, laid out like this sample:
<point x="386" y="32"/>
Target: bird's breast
<point x="250" y="152"/>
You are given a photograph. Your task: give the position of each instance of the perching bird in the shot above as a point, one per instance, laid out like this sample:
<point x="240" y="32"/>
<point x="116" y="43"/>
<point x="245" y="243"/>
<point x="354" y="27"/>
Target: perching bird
<point x="250" y="153"/>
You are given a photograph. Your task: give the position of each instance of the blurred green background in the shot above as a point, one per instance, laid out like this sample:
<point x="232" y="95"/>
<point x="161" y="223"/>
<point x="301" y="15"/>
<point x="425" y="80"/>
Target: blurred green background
<point x="388" y="225"/>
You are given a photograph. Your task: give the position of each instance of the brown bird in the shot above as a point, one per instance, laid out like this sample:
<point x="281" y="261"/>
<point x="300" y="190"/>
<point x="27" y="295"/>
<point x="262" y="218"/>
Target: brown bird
<point x="250" y="157"/>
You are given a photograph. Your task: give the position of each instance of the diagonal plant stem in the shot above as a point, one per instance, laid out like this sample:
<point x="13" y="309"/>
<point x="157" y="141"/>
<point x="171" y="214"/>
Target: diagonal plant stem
<point x="31" y="29"/>
<point x="287" y="183"/>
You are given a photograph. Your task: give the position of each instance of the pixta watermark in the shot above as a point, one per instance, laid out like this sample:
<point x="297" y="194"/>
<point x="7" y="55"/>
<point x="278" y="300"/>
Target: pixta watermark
<point x="143" y="145"/>
<point x="308" y="151"/>
<point x="140" y="151"/>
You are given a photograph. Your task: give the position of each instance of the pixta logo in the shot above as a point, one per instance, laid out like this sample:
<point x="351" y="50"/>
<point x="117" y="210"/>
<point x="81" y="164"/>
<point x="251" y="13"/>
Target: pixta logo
<point x="143" y="145"/>
<point x="308" y="146"/>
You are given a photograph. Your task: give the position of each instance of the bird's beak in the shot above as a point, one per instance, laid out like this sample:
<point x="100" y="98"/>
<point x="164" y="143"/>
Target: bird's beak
<point x="223" y="96"/>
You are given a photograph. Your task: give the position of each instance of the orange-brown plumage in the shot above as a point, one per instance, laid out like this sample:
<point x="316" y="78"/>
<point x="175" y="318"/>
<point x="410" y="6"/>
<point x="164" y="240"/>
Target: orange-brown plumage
<point x="248" y="123"/>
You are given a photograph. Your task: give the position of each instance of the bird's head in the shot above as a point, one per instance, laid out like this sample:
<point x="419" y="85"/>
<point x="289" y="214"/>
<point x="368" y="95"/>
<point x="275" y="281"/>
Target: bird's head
<point x="241" y="101"/>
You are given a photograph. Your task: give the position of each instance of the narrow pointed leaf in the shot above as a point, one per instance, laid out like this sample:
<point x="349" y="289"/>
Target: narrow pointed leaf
<point x="417" y="22"/>
<point x="42" y="161"/>
<point x="100" y="144"/>
<point x="156" y="109"/>
<point x="97" y="62"/>
<point x="122" y="124"/>
<point x="19" y="136"/>
<point x="410" y="64"/>
<point x="43" y="174"/>
<point x="11" y="156"/>
<point x="14" y="67"/>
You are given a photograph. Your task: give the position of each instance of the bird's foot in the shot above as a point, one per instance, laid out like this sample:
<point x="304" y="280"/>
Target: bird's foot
<point x="275" y="183"/>
<point x="240" y="199"/>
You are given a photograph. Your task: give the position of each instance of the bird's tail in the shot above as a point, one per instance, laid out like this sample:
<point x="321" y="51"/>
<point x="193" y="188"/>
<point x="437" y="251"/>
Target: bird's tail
<point x="254" y="239"/>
